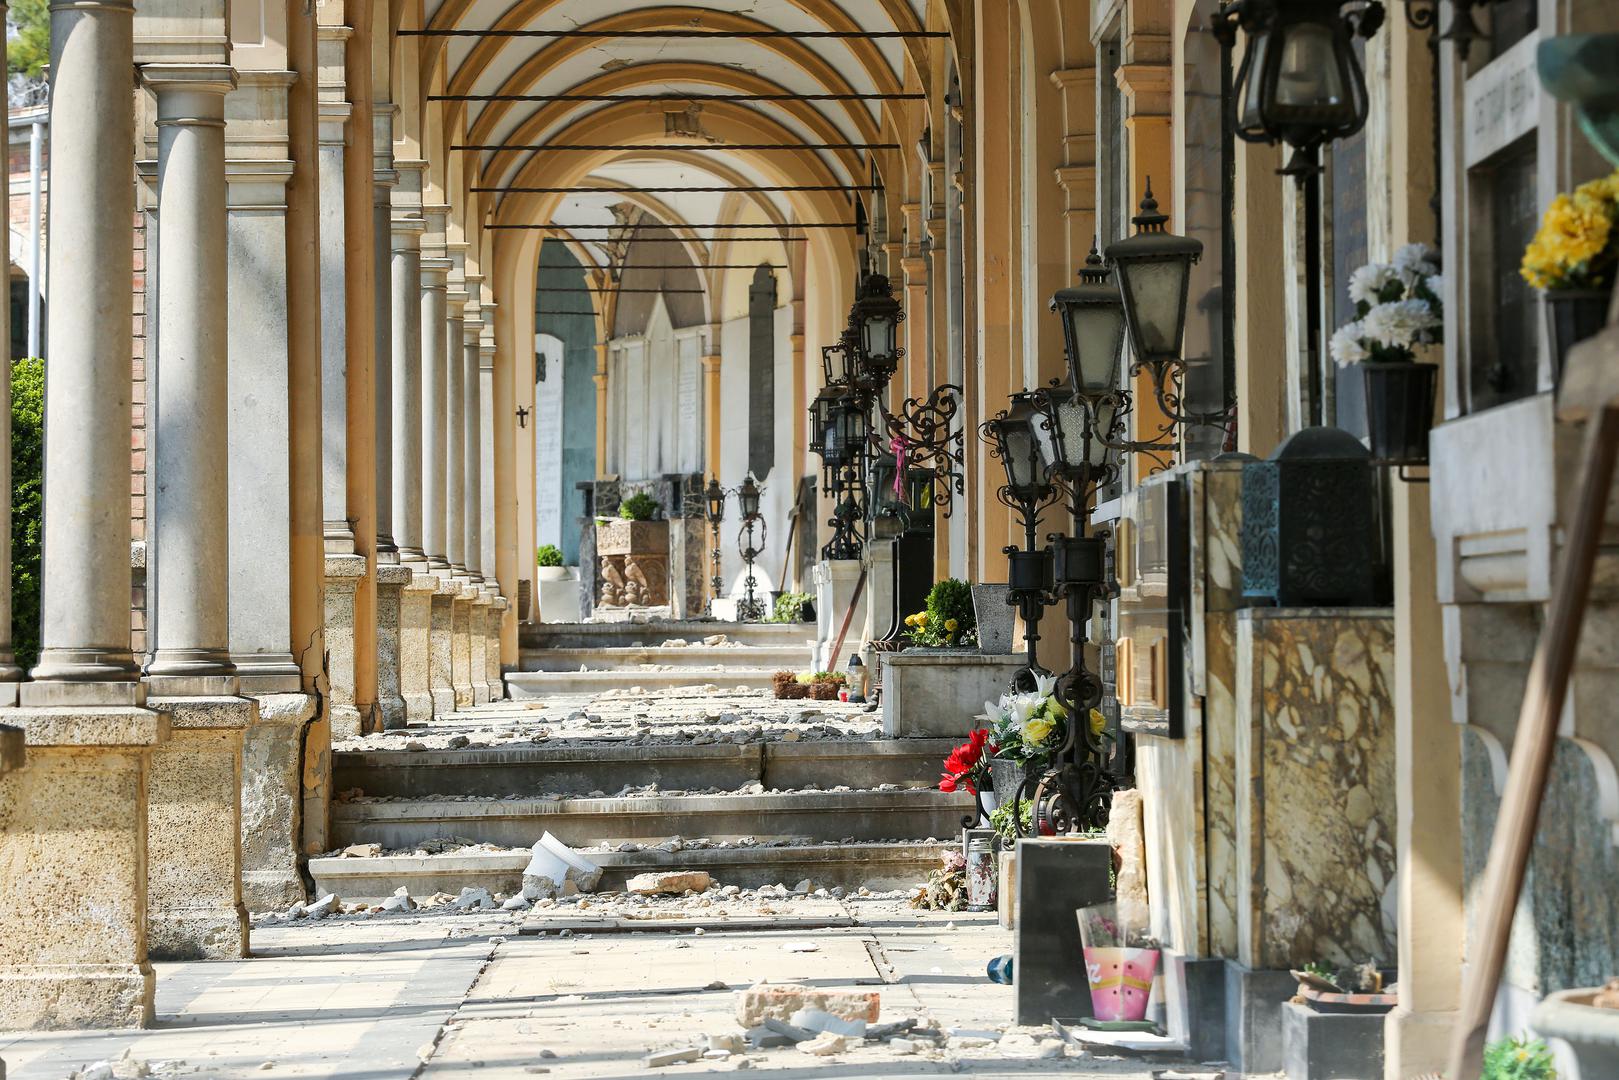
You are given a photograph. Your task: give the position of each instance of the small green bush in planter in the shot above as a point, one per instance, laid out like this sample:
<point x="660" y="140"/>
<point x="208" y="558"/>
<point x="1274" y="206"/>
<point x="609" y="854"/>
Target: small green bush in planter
<point x="1518" y="1059"/>
<point x="639" y="507"/>
<point x="790" y="607"/>
<point x="949" y="618"/>
<point x="548" y="555"/>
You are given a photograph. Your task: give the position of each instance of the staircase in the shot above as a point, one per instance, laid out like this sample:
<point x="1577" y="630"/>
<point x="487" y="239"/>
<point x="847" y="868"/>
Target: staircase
<point x="782" y="803"/>
<point x="587" y="658"/>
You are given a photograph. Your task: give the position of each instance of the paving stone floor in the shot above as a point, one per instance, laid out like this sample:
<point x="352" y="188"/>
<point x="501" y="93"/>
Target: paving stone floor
<point x="440" y="996"/>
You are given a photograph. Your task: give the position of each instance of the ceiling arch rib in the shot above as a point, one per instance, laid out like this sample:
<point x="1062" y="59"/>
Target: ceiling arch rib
<point x="884" y="62"/>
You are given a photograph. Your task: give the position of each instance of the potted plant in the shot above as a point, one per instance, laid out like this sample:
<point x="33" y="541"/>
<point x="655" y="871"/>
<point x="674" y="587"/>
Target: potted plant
<point x="639" y="507"/>
<point x="824" y="685"/>
<point x="1571" y="261"/>
<point x="548" y="560"/>
<point x="1398" y="311"/>
<point x="967" y="768"/>
<point x="793" y="607"/>
<point x="948" y="621"/>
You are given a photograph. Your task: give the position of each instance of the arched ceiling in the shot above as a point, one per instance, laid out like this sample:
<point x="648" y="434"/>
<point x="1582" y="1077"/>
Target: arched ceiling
<point x="797" y="96"/>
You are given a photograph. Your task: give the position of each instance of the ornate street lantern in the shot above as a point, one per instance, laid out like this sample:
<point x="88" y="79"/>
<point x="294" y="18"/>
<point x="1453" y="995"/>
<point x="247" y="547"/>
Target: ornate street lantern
<point x="846" y="432"/>
<point x="1300" y="81"/>
<point x="1154" y="270"/>
<point x="747" y="497"/>
<point x="1013" y="436"/>
<point x="821" y="410"/>
<point x="714" y="496"/>
<point x="1093" y="327"/>
<point x="1077" y="432"/>
<point x="876" y="316"/>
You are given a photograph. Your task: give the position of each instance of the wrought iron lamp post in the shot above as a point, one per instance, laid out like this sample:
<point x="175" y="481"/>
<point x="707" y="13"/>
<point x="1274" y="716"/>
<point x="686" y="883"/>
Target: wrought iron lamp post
<point x="1299" y="82"/>
<point x="714" y="499"/>
<point x="1028" y="491"/>
<point x="750" y="608"/>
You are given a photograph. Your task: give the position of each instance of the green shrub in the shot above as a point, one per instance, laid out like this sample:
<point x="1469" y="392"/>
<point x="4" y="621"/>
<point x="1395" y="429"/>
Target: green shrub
<point x="1001" y="819"/>
<point x="948" y="618"/>
<point x="639" y="507"/>
<point x="1513" y="1058"/>
<point x="27" y="504"/>
<point x="548" y="555"/>
<point x="790" y="607"/>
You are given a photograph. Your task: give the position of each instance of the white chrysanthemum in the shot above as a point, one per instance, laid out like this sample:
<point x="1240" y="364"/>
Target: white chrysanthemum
<point x="1416" y="258"/>
<point x="1400" y="324"/>
<point x="1345" y="345"/>
<point x="1368" y="281"/>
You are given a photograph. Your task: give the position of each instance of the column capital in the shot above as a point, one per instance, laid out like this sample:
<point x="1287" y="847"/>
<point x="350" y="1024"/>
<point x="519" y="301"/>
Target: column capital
<point x="456" y="298"/>
<point x="435" y="269"/>
<point x="206" y="80"/>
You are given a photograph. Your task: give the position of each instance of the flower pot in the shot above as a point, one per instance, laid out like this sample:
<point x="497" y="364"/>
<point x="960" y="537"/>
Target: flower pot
<point x="994" y="616"/>
<point x="1572" y="315"/>
<point x="1005" y="776"/>
<point x="1592" y="1033"/>
<point x="551" y="573"/>
<point x="1121" y="981"/>
<point x="1399" y="410"/>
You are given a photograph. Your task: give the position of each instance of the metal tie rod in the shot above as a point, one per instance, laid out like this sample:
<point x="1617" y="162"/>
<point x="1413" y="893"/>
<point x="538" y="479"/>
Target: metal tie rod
<point x="653" y="147"/>
<point x="688" y="267"/>
<point x="675" y="97"/>
<point x="755" y="226"/>
<point x="747" y="35"/>
<point x="718" y="190"/>
<point x="605" y="240"/>
<point x="656" y="292"/>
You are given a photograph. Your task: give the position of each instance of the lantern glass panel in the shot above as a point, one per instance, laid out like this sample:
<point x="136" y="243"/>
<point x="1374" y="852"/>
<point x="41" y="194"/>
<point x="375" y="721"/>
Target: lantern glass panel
<point x="1154" y="300"/>
<point x="879" y="331"/>
<point x="1023" y="467"/>
<point x="1099" y="454"/>
<point x="715" y="495"/>
<point x="747" y="498"/>
<point x="1096" y="337"/>
<point x="1073" y="416"/>
<point x="1309" y="76"/>
<point x="1251" y="114"/>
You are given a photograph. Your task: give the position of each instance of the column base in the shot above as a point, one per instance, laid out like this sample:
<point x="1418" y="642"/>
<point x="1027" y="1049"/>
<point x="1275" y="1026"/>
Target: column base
<point x="1416" y="1043"/>
<point x="283" y="797"/>
<point x="194" y="832"/>
<point x="343" y="574"/>
<point x="391" y="580"/>
<point x="415" y="647"/>
<point x="461" y="644"/>
<point x="81" y="964"/>
<point x="441" y="647"/>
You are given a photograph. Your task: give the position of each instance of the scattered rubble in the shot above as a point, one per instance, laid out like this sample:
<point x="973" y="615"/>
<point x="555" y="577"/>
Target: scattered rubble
<point x="779" y="1001"/>
<point x="659" y="1058"/>
<point x="675" y="883"/>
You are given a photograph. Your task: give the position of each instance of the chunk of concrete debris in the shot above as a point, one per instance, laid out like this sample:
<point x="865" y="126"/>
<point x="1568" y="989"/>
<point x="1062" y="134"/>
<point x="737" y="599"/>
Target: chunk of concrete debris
<point x="716" y="1055"/>
<point x="787" y="1030"/>
<point x="326" y="905"/>
<point x="715" y="639"/>
<point x="668" y="883"/>
<point x="902" y="1045"/>
<point x="781" y="1000"/>
<point x="659" y="1058"/>
<point x="819" y="1020"/>
<point x="516" y="903"/>
<point x="361" y="851"/>
<point x="475" y="898"/>
<point x="824" y="1046"/>
<point x="729" y="1040"/>
<point x="553" y="866"/>
<point x="803" y="888"/>
<point x="399" y="901"/>
<point x="762" y="1038"/>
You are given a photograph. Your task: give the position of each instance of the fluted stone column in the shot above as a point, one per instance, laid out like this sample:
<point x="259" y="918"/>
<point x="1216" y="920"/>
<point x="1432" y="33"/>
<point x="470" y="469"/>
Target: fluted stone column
<point x="407" y="390"/>
<point x="194" y="855"/>
<point x="73" y="822"/>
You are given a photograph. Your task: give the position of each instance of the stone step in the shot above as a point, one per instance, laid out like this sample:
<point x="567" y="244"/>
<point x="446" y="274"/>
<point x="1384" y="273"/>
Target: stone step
<point x="657" y="631"/>
<point x="562" y="769"/>
<point x="627" y="660"/>
<point x="878" y="866"/>
<point x="799" y="816"/>
<point x="527" y="685"/>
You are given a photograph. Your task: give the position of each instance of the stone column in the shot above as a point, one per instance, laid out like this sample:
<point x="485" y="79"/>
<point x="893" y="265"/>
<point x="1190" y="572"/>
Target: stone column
<point x="333" y="254"/>
<point x="711" y="411"/>
<point x="384" y="179"/>
<point x="497" y="614"/>
<point x="434" y="392"/>
<point x="455" y="524"/>
<point x="407" y="390"/>
<point x="460" y="642"/>
<point x="189" y="553"/>
<point x="478" y="640"/>
<point x="472" y="443"/>
<point x="259" y="444"/>
<point x="73" y="823"/>
<point x="486" y="448"/>
<point x="343" y="574"/>
<point x="415" y="629"/>
<point x="194" y="894"/>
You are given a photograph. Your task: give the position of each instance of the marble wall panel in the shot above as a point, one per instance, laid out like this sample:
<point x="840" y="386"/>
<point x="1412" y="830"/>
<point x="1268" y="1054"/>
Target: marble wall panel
<point x="1219" y="782"/>
<point x="1315" y="786"/>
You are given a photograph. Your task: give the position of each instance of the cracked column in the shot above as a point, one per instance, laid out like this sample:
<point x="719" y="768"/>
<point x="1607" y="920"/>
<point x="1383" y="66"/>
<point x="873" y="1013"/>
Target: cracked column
<point x="88" y="741"/>
<point x="194" y="854"/>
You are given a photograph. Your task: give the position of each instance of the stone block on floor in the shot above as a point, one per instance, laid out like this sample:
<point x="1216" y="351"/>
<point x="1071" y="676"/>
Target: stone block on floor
<point x="1331" y="1046"/>
<point x="76" y="965"/>
<point x="1253" y="1016"/>
<point x="936" y="693"/>
<point x="193" y="835"/>
<point x="1055" y="878"/>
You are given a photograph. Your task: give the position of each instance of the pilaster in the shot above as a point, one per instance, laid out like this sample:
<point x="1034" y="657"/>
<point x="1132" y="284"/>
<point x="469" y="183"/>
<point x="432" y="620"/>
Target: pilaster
<point x="405" y="318"/>
<point x="334" y="113"/>
<point x="486" y="446"/>
<point x="461" y="643"/>
<point x="436" y="265"/>
<point x="498" y="606"/>
<point x="391" y="581"/>
<point x="415" y="628"/>
<point x="478" y="643"/>
<point x="711" y="412"/>
<point x="472" y="435"/>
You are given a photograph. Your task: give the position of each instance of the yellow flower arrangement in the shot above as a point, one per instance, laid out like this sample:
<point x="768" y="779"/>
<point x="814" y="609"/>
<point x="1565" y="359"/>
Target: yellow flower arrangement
<point x="950" y="625"/>
<point x="1098" y="721"/>
<point x="1576" y="246"/>
<point x="1037" y="731"/>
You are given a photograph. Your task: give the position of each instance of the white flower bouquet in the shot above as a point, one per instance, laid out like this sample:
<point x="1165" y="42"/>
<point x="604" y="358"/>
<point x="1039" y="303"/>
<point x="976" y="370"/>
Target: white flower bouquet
<point x="1398" y="307"/>
<point x="1026" y="727"/>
